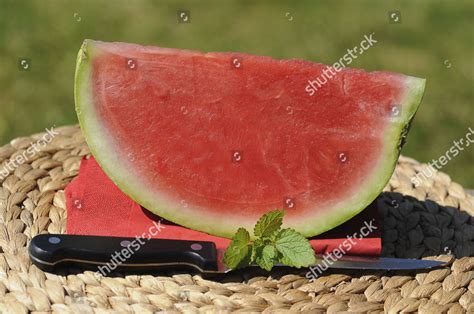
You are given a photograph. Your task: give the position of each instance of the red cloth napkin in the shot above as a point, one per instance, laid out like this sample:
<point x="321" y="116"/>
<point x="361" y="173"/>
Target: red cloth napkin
<point x="96" y="206"/>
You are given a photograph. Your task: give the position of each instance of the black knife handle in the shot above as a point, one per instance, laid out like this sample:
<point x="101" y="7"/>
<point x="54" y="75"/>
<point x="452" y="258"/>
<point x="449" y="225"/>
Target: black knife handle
<point x="51" y="252"/>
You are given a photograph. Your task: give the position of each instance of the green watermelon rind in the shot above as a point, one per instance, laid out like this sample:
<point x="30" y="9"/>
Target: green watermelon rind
<point x="99" y="142"/>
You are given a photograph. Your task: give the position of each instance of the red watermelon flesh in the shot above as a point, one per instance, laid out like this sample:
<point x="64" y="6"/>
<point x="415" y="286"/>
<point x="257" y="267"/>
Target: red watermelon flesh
<point x="211" y="141"/>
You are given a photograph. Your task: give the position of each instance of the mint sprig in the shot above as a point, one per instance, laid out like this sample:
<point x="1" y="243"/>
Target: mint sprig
<point x="272" y="245"/>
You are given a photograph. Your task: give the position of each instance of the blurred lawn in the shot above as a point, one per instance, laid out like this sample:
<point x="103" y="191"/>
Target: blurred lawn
<point x="435" y="40"/>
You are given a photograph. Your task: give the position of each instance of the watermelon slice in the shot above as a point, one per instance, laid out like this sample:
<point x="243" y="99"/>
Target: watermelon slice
<point x="211" y="141"/>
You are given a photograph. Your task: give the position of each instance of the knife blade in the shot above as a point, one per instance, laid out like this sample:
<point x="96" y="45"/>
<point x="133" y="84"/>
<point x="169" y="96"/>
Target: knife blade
<point x="51" y="252"/>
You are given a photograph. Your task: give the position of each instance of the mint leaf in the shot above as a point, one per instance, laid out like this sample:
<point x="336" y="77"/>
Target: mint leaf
<point x="266" y="257"/>
<point x="295" y="249"/>
<point x="268" y="223"/>
<point x="239" y="252"/>
<point x="257" y="247"/>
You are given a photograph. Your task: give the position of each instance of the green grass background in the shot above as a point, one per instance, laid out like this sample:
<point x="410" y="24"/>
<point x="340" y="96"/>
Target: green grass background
<point x="435" y="40"/>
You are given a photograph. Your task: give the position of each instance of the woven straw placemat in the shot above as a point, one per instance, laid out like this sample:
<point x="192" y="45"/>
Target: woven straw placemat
<point x="434" y="219"/>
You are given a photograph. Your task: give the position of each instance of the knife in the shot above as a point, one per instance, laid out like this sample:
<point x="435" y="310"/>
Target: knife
<point x="51" y="252"/>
